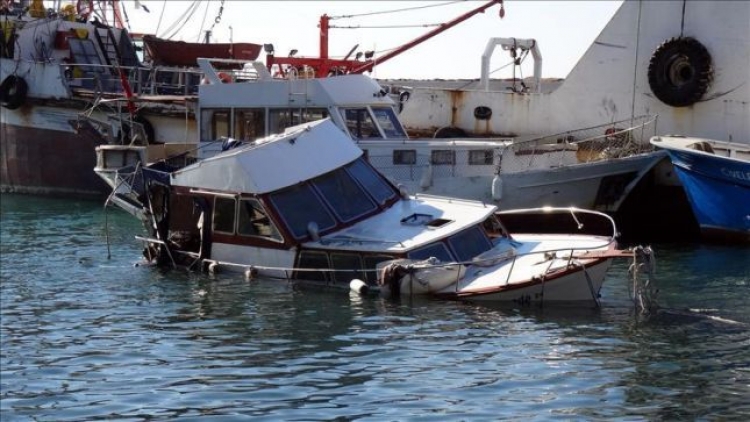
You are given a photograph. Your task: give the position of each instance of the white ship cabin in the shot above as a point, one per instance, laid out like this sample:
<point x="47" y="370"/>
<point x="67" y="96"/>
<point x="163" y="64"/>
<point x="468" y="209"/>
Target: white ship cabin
<point x="306" y="199"/>
<point x="250" y="104"/>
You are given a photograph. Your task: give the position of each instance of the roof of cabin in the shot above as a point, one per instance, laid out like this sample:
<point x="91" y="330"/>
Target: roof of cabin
<point x="301" y="153"/>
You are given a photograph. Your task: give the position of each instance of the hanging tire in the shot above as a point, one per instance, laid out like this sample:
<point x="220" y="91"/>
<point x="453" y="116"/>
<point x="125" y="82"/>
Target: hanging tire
<point x="13" y="92"/>
<point x="680" y="72"/>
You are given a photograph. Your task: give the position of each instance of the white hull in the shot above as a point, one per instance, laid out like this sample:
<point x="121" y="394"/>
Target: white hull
<point x="611" y="80"/>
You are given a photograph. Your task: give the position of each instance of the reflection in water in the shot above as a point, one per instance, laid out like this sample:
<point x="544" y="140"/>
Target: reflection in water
<point x="85" y="337"/>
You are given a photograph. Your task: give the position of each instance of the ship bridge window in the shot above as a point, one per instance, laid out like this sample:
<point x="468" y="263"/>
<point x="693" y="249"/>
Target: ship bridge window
<point x="388" y="121"/>
<point x="443" y="156"/>
<point x="360" y="123"/>
<point x="224" y="210"/>
<point x="405" y="156"/>
<point x="380" y="190"/>
<point x="254" y="221"/>
<point x="214" y="124"/>
<point x="249" y="124"/>
<point x="469" y="243"/>
<point x="347" y="199"/>
<point x="298" y="206"/>
<point x="480" y="157"/>
<point x="280" y="119"/>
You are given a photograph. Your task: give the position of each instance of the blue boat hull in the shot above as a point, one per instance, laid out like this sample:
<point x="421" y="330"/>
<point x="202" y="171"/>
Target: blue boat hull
<point x="719" y="193"/>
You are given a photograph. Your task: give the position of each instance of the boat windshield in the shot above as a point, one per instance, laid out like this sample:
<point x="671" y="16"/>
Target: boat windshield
<point x="464" y="246"/>
<point x="342" y="195"/>
<point x="299" y="206"/>
<point x="346" y="198"/>
<point x="388" y="122"/>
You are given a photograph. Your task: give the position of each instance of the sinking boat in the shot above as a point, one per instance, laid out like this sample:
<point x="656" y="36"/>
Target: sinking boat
<point x="306" y="206"/>
<point x="716" y="178"/>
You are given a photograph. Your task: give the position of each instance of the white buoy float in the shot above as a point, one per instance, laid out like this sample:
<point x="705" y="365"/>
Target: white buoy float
<point x="358" y="286"/>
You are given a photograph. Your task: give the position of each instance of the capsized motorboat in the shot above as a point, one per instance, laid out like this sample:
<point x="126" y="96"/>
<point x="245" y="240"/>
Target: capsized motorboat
<point x="716" y="178"/>
<point x="307" y="206"/>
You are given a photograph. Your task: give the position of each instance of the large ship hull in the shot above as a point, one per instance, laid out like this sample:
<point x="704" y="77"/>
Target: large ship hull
<point x="48" y="160"/>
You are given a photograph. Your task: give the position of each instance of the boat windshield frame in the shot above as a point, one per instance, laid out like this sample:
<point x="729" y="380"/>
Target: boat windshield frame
<point x="294" y="204"/>
<point x="372" y="122"/>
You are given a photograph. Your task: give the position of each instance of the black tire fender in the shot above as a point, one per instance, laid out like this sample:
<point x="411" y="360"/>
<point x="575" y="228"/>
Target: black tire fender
<point x="13" y="92"/>
<point x="680" y="71"/>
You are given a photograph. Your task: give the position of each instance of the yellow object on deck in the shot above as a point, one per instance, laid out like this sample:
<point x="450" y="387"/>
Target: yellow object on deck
<point x="37" y="10"/>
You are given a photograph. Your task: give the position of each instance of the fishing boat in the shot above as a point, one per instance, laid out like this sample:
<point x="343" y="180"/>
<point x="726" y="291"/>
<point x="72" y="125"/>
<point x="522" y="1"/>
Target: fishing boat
<point x="685" y="61"/>
<point x="306" y="206"/>
<point x="716" y="178"/>
<point x="71" y="79"/>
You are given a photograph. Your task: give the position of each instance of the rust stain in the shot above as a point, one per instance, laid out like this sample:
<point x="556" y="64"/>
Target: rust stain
<point x="457" y="103"/>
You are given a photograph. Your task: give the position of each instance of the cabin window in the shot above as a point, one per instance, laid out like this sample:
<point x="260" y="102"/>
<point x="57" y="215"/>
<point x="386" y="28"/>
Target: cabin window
<point x="348" y="267"/>
<point x="254" y="221"/>
<point x="298" y="206"/>
<point x="214" y="124"/>
<point x="249" y="124"/>
<point x="312" y="260"/>
<point x="360" y="123"/>
<point x="404" y="156"/>
<point x="388" y="122"/>
<point x="481" y="157"/>
<point x="313" y="114"/>
<point x="437" y="250"/>
<point x="224" y="210"/>
<point x="374" y="184"/>
<point x="469" y="243"/>
<point x="371" y="264"/>
<point x="278" y="120"/>
<point x="443" y="156"/>
<point x="344" y="195"/>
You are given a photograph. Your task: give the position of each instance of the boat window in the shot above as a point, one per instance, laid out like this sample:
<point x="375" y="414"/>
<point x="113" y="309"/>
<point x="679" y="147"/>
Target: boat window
<point x="224" y="210"/>
<point x="372" y="181"/>
<point x="405" y="156"/>
<point x="312" y="260"/>
<point x="443" y="156"/>
<point x="388" y="121"/>
<point x="298" y="206"/>
<point x="254" y="221"/>
<point x="360" y="123"/>
<point x="469" y="243"/>
<point x="344" y="195"/>
<point x="249" y="124"/>
<point x="481" y="157"/>
<point x="280" y="119"/>
<point x="313" y="114"/>
<point x="347" y="266"/>
<point x="214" y="124"/>
<point x="437" y="250"/>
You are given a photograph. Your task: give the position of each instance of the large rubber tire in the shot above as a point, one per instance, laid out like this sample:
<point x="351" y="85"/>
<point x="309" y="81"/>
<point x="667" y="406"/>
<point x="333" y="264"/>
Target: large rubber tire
<point x="13" y="92"/>
<point x="680" y="72"/>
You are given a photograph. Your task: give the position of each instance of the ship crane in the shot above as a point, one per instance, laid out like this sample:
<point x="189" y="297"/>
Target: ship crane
<point x="326" y="66"/>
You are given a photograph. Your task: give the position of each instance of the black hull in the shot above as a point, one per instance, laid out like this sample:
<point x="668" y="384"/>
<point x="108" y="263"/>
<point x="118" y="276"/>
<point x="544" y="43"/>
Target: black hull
<point x="49" y="162"/>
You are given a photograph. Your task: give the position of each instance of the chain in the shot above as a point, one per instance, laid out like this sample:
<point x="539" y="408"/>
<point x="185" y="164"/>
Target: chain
<point x="218" y="16"/>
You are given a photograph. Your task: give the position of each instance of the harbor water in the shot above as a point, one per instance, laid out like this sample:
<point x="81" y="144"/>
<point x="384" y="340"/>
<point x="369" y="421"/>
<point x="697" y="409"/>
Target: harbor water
<point x="88" y="335"/>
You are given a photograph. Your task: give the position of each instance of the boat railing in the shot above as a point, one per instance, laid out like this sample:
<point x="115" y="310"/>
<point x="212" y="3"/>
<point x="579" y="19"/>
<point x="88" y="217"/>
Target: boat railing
<point x="613" y="140"/>
<point x="157" y="80"/>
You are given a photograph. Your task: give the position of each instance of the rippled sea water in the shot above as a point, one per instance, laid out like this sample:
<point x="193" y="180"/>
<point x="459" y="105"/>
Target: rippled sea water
<point x="87" y="337"/>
